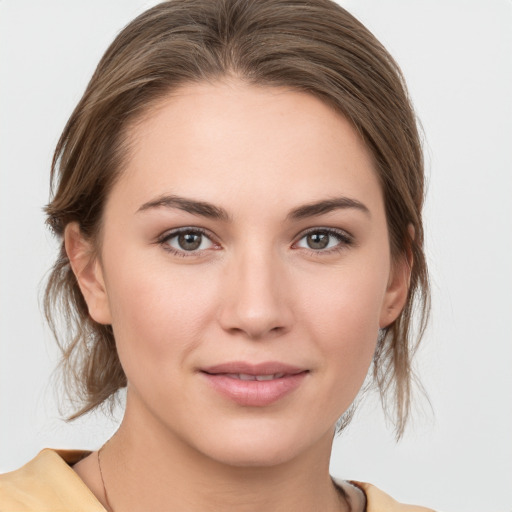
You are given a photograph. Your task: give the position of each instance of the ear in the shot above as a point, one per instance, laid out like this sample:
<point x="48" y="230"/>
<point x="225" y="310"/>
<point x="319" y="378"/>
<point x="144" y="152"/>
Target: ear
<point x="88" y="273"/>
<point x="398" y="286"/>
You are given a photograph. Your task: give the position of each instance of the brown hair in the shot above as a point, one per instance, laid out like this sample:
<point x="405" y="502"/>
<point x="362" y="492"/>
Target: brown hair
<point x="309" y="45"/>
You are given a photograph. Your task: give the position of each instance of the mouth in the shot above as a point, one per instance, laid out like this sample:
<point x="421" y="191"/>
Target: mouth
<point x="246" y="376"/>
<point x="254" y="385"/>
<point x="243" y="368"/>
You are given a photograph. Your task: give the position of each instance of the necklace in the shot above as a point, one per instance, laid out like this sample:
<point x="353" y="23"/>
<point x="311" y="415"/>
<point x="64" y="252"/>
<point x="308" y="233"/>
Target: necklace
<point x="109" y="506"/>
<point x="341" y="491"/>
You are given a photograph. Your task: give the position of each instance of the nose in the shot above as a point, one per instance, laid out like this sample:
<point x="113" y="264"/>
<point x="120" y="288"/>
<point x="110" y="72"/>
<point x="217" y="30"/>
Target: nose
<point x="256" y="297"/>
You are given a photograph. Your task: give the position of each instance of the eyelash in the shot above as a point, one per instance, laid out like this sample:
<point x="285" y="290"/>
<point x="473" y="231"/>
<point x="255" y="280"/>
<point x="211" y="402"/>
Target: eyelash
<point x="166" y="237"/>
<point x="345" y="240"/>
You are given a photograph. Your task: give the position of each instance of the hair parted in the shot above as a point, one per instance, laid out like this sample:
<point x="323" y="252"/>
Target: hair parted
<point x="313" y="46"/>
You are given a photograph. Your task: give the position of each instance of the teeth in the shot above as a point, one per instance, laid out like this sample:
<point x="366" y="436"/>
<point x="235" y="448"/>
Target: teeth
<point x="264" y="377"/>
<point x="245" y="376"/>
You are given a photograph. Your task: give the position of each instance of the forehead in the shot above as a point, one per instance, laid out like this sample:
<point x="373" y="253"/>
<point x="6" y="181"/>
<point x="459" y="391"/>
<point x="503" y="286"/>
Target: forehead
<point x="220" y="141"/>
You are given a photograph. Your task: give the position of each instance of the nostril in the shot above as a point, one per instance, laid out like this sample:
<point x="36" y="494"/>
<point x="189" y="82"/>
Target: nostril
<point x="257" y="332"/>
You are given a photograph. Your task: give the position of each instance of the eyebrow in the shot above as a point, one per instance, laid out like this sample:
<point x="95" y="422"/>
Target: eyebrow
<point x="327" y="206"/>
<point x="209" y="210"/>
<point x="201" y="208"/>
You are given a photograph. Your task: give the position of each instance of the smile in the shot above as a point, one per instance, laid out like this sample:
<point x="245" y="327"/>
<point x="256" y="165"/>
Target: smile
<point x="251" y="385"/>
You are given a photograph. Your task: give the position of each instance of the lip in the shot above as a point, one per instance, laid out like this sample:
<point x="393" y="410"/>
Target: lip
<point x="254" y="393"/>
<point x="265" y="368"/>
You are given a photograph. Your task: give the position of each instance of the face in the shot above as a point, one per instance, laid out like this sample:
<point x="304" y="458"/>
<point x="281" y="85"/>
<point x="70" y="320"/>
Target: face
<point x="245" y="269"/>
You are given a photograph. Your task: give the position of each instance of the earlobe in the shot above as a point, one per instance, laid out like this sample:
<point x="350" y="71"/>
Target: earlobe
<point x="88" y="273"/>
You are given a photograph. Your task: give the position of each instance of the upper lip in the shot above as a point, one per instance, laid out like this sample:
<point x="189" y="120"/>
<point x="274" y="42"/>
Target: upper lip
<point x="265" y="368"/>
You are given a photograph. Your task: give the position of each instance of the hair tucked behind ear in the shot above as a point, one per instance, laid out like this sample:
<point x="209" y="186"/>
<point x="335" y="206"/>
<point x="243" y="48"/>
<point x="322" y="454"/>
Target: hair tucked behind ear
<point x="308" y="45"/>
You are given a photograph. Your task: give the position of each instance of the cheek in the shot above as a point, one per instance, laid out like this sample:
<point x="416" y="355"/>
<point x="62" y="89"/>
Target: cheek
<point x="343" y="313"/>
<point x="348" y="302"/>
<point x="156" y="313"/>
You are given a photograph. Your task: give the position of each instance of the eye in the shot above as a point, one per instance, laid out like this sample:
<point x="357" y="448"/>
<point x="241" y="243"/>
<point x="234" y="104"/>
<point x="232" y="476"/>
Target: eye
<point x="324" y="240"/>
<point x="186" y="240"/>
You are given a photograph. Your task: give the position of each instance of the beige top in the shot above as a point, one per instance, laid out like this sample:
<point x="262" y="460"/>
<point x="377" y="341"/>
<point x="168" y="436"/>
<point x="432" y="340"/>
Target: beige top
<point x="49" y="484"/>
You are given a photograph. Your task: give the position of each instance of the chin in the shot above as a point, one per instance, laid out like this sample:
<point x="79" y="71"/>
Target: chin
<point x="253" y="456"/>
<point x="263" y="447"/>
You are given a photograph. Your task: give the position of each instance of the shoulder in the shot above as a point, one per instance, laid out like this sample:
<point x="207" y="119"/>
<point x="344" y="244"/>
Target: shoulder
<point x="379" y="501"/>
<point x="376" y="500"/>
<point x="47" y="483"/>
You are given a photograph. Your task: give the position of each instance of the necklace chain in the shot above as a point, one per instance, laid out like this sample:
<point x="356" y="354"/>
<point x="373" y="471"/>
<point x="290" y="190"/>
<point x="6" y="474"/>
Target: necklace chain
<point x="109" y="506"/>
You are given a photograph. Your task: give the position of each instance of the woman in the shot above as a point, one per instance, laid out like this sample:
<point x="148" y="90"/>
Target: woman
<point x="238" y="194"/>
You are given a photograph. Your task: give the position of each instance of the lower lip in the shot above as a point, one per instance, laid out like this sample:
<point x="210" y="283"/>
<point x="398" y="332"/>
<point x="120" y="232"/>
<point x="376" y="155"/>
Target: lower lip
<point x="254" y="393"/>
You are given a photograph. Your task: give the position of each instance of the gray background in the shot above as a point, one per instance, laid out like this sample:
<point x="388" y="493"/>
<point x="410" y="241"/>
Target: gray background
<point x="457" y="57"/>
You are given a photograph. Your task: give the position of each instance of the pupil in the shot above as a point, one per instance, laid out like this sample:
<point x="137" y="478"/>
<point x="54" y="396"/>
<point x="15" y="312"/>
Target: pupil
<point x="189" y="241"/>
<point x="318" y="240"/>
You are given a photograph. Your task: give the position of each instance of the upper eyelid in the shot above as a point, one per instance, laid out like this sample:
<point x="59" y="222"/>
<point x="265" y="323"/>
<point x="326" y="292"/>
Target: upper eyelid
<point x="170" y="233"/>
<point x="330" y="230"/>
<point x="345" y="240"/>
<point x="166" y="235"/>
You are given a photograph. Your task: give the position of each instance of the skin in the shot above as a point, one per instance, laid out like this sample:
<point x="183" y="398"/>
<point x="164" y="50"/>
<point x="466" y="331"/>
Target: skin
<point x="254" y="291"/>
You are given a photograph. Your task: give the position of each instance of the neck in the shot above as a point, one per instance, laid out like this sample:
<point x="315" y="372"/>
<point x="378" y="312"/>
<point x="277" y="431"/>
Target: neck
<point x="161" y="472"/>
